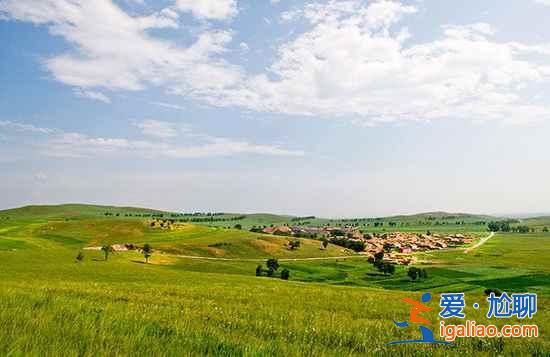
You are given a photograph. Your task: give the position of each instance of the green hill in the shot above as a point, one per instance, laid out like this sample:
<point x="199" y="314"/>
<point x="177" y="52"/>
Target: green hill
<point x="186" y="239"/>
<point x="72" y="210"/>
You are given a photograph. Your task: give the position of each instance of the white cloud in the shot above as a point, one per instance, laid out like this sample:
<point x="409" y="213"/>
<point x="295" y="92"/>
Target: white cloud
<point x="169" y="105"/>
<point x="40" y="176"/>
<point x="275" y="1"/>
<point x="56" y="143"/>
<point x="24" y="127"/>
<point x="354" y="60"/>
<point x="209" y="9"/>
<point x="76" y="145"/>
<point x="542" y="2"/>
<point x="82" y="93"/>
<point x="159" y="129"/>
<point x="114" y="50"/>
<point x="244" y="47"/>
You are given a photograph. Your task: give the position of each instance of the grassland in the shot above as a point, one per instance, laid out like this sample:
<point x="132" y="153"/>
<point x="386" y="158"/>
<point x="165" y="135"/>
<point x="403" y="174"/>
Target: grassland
<point x="53" y="306"/>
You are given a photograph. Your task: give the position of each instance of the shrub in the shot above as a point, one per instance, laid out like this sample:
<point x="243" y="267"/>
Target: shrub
<point x="80" y="257"/>
<point x="497" y="292"/>
<point x="285" y="274"/>
<point x="272" y="264"/>
<point x="294" y="244"/>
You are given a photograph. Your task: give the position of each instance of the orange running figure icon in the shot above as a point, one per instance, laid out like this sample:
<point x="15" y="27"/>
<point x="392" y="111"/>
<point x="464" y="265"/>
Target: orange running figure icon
<point x="417" y="307"/>
<point x="416" y="310"/>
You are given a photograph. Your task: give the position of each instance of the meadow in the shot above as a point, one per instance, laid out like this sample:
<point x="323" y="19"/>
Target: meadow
<point x="55" y="306"/>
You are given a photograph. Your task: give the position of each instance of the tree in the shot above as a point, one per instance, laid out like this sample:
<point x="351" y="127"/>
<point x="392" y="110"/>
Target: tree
<point x="107" y="249"/>
<point x="285" y="274"/>
<point x="147" y="252"/>
<point x="79" y="257"/>
<point x="388" y="269"/>
<point x="272" y="264"/>
<point x="493" y="226"/>
<point x="238" y="226"/>
<point x="259" y="270"/>
<point x="325" y="243"/>
<point x="413" y="273"/>
<point x="294" y="244"/>
<point x="545" y="229"/>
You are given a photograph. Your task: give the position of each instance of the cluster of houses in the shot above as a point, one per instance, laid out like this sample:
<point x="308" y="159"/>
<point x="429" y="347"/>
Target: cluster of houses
<point x="397" y="246"/>
<point x="318" y="232"/>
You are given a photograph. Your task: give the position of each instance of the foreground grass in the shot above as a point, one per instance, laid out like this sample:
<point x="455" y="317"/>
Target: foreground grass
<point x="53" y="306"/>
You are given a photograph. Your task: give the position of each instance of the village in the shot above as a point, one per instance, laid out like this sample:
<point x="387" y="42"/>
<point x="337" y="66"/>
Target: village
<point x="397" y="246"/>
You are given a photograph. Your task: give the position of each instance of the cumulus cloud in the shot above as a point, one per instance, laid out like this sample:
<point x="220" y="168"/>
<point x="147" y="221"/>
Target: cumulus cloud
<point x="114" y="50"/>
<point x="354" y="62"/>
<point x="354" y="59"/>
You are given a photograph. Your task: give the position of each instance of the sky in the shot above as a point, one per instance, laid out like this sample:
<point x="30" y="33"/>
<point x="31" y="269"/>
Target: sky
<point x="348" y="108"/>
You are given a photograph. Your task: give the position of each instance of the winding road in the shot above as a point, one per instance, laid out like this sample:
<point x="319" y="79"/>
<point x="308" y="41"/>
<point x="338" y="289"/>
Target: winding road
<point x="263" y="259"/>
<point x="480" y="243"/>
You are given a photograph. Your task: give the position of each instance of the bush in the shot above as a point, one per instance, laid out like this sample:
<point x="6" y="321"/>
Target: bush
<point x="413" y="273"/>
<point x="80" y="257"/>
<point x="272" y="264"/>
<point x="497" y="292"/>
<point x="259" y="270"/>
<point x="357" y="246"/>
<point x="294" y="244"/>
<point x="285" y="274"/>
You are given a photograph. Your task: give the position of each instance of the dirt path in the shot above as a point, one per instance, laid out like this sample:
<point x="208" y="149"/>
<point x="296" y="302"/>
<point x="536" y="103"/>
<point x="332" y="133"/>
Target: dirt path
<point x="480" y="243"/>
<point x="263" y="259"/>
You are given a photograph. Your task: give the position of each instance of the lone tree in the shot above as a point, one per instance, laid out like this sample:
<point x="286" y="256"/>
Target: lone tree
<point x="285" y="274"/>
<point x="79" y="257"/>
<point x="106" y="249"/>
<point x="388" y="268"/>
<point x="325" y="243"/>
<point x="413" y="273"/>
<point x="416" y="273"/>
<point x="147" y="252"/>
<point x="272" y="266"/>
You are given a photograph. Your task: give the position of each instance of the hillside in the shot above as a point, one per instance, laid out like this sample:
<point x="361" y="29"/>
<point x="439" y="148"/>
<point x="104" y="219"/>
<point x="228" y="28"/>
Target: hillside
<point x="72" y="210"/>
<point x="186" y="239"/>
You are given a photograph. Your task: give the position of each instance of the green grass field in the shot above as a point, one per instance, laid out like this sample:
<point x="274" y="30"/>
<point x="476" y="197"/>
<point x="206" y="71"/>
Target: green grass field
<point x="53" y="306"/>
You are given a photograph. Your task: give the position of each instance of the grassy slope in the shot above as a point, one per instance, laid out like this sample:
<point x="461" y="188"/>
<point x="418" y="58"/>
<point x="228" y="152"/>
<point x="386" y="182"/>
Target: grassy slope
<point x="446" y="222"/>
<point x="69" y="211"/>
<point x="190" y="240"/>
<point x="52" y="306"/>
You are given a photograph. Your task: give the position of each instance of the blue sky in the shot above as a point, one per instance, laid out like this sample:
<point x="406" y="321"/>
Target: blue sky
<point x="331" y="108"/>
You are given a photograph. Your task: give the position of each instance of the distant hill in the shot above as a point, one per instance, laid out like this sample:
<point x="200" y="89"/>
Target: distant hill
<point x="72" y="210"/>
<point x="441" y="216"/>
<point x="246" y="221"/>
